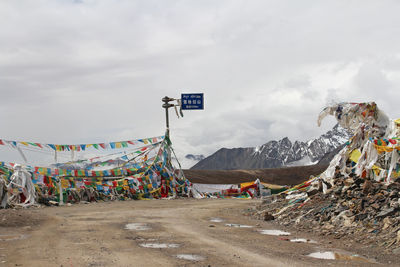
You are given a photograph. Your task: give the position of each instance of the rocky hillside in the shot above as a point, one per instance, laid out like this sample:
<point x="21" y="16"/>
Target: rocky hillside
<point x="275" y="154"/>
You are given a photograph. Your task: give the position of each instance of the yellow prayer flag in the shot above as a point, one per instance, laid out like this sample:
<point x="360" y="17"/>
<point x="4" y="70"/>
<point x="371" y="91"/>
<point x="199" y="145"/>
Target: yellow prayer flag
<point x="355" y="155"/>
<point x="64" y="183"/>
<point x="242" y="185"/>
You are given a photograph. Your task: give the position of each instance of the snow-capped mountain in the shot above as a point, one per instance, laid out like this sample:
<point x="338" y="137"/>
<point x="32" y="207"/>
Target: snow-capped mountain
<point x="276" y="154"/>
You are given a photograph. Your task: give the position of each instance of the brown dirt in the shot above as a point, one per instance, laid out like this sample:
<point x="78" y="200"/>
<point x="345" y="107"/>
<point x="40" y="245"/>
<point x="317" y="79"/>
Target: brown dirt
<point x="94" y="235"/>
<point x="16" y="218"/>
<point x="280" y="176"/>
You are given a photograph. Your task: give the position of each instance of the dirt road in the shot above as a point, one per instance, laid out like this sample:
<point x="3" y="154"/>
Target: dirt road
<point x="95" y="235"/>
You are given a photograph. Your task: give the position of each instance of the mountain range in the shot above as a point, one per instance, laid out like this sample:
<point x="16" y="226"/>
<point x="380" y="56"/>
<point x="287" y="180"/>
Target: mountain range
<point x="275" y="154"/>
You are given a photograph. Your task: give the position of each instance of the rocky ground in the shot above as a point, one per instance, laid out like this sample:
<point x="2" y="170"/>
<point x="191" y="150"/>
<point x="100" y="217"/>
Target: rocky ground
<point x="354" y="210"/>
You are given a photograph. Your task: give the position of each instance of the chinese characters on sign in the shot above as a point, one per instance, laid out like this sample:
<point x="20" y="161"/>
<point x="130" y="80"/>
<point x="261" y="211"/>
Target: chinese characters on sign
<point x="192" y="101"/>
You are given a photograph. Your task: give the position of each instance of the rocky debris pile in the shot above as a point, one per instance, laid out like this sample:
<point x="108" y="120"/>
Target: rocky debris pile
<point x="357" y="196"/>
<point x="367" y="211"/>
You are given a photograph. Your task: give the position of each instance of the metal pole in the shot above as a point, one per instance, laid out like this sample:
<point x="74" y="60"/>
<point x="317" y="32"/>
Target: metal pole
<point x="166" y="105"/>
<point x="61" y="193"/>
<point x="167" y="120"/>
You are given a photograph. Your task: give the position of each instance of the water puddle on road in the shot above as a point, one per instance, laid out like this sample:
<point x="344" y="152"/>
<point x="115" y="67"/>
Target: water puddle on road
<point x="238" y="225"/>
<point x="159" y="245"/>
<point x="303" y="240"/>
<point x="274" y="232"/>
<point x="137" y="226"/>
<point x="216" y="220"/>
<point x="12" y="237"/>
<point x="330" y="255"/>
<point x="327" y="255"/>
<point x="190" y="257"/>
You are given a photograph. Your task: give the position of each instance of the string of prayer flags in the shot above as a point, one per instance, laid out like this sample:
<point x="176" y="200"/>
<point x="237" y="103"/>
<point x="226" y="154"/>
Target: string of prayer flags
<point x="83" y="147"/>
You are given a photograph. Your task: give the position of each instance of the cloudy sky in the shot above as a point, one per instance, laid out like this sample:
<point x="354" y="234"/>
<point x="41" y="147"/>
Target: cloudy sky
<point x="96" y="70"/>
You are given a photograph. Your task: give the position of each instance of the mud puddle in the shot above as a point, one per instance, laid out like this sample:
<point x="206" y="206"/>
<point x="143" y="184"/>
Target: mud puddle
<point x="331" y="255"/>
<point x="12" y="237"/>
<point x="137" y="226"/>
<point x="274" y="232"/>
<point x="238" y="225"/>
<point x="159" y="245"/>
<point x="303" y="240"/>
<point x="190" y="257"/>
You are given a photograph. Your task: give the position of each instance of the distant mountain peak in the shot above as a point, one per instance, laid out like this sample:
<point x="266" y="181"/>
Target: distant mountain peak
<point x="274" y="154"/>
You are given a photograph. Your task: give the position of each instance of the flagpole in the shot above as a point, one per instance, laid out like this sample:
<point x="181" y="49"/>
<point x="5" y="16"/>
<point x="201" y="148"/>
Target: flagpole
<point x="167" y="105"/>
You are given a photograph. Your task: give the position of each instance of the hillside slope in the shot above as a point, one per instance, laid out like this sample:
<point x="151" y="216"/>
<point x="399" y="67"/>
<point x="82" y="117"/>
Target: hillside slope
<point x="280" y="176"/>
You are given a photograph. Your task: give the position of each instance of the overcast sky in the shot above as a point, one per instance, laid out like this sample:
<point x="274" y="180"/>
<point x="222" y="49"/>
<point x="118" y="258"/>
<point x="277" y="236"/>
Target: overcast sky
<point x="93" y="71"/>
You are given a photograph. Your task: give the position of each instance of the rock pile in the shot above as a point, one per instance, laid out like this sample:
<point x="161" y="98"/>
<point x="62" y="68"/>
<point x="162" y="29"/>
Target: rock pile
<point x="368" y="211"/>
<point x="358" y="195"/>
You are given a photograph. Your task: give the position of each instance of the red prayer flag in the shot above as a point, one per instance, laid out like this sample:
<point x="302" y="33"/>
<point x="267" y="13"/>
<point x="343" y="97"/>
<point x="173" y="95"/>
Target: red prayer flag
<point x="39" y="145"/>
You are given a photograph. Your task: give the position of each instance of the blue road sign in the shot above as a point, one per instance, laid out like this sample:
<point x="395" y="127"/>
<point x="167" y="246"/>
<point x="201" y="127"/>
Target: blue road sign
<point x="192" y="101"/>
